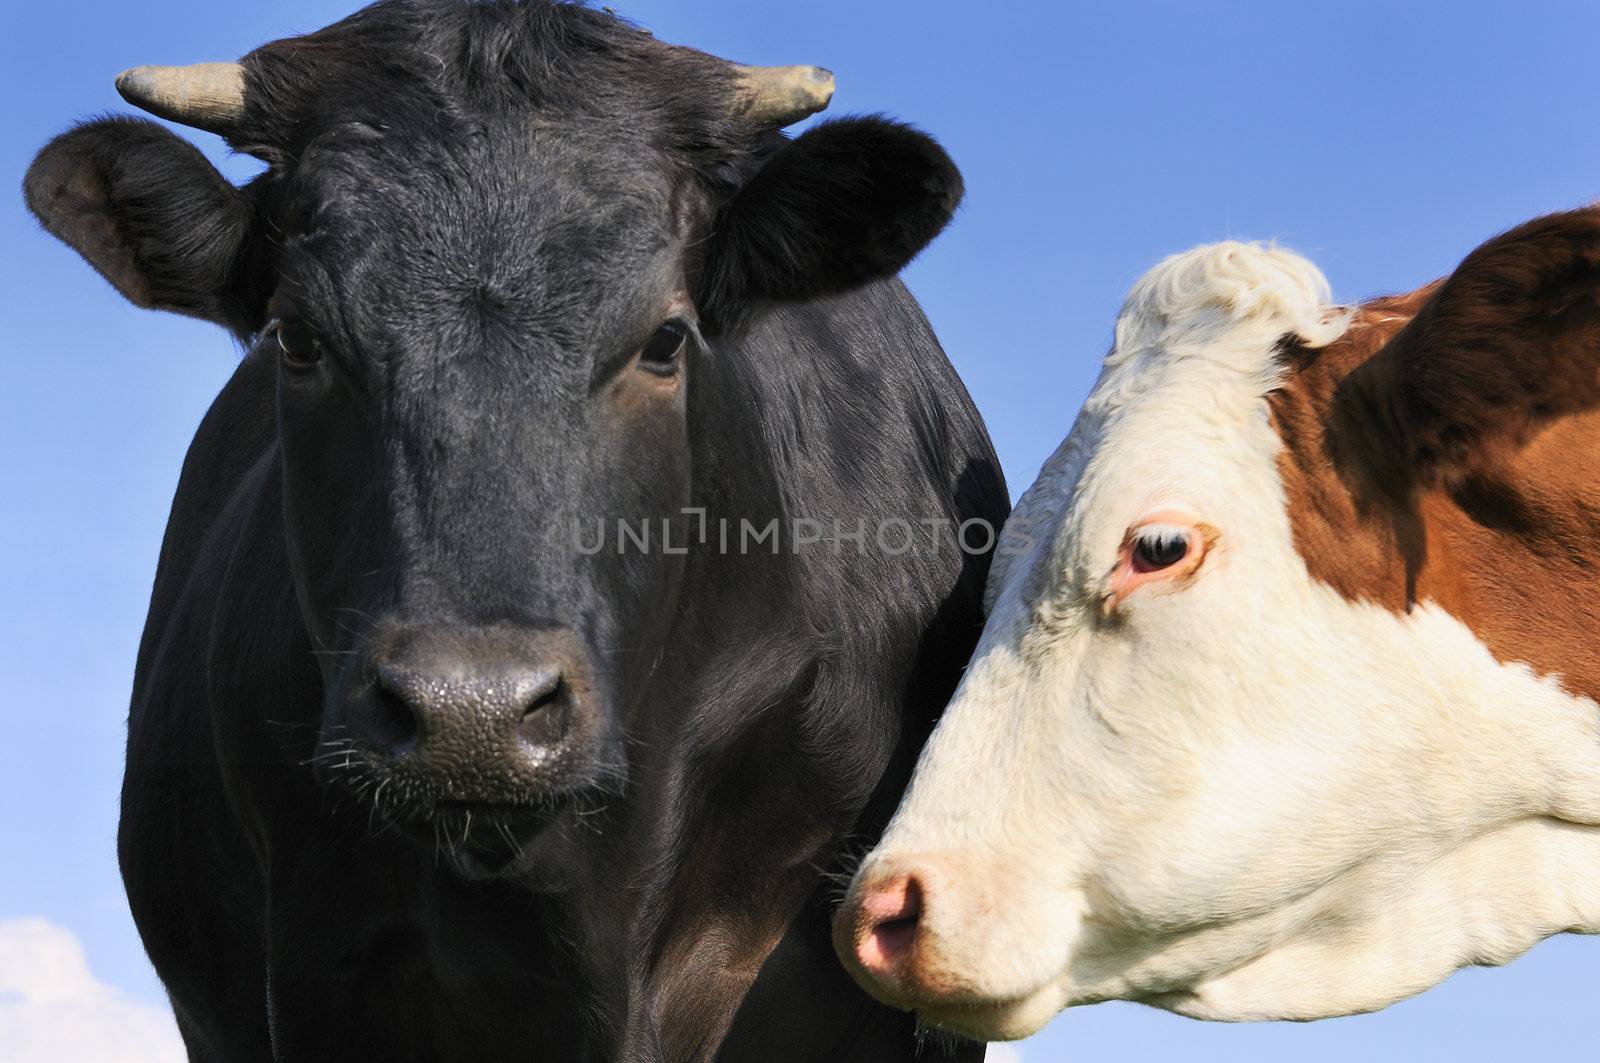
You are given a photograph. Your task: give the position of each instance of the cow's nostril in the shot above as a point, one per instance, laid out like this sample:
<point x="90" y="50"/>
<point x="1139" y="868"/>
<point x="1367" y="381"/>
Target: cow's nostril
<point x="893" y="938"/>
<point x="890" y="917"/>
<point x="547" y="716"/>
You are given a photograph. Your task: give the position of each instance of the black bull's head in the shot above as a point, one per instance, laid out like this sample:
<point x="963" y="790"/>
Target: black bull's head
<point x="493" y="287"/>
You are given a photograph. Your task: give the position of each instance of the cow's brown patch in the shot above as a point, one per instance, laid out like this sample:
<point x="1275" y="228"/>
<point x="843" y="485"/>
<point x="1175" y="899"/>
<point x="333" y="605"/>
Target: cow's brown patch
<point x="1447" y="449"/>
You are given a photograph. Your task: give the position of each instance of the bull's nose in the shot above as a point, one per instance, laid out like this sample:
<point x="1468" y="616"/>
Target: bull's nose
<point x="480" y="708"/>
<point x="529" y="705"/>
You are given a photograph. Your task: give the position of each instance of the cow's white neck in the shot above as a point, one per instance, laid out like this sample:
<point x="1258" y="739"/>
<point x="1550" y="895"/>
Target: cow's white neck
<point x="1249" y="798"/>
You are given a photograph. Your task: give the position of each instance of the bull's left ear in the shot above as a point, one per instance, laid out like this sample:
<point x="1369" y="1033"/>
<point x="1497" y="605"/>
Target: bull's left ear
<point x="1508" y="343"/>
<point x="845" y="203"/>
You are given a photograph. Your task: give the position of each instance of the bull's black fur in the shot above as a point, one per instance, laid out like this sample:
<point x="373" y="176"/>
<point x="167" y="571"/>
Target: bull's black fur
<point x="481" y="209"/>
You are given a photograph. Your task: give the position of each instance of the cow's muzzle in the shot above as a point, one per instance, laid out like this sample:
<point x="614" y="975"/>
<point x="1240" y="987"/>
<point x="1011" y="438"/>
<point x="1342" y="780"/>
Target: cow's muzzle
<point x="935" y="933"/>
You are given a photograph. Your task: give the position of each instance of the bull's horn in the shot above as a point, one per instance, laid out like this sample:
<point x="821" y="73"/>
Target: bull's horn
<point x="207" y="96"/>
<point x="775" y="96"/>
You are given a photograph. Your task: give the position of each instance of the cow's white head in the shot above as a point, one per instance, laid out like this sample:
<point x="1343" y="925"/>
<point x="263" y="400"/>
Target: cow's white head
<point x="1252" y="731"/>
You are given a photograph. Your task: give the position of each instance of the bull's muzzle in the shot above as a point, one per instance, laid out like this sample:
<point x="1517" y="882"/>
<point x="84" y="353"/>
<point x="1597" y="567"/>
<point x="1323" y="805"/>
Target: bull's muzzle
<point x="467" y="714"/>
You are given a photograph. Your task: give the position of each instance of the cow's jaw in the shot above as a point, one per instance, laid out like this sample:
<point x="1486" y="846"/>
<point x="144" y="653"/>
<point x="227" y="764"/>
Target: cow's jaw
<point x="1246" y="799"/>
<point x="1411" y="923"/>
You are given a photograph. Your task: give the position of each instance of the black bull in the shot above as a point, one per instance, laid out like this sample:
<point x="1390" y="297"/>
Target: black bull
<point x="497" y="698"/>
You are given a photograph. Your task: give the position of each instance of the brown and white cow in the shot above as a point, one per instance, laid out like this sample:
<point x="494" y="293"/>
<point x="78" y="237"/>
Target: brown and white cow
<point x="1286" y="706"/>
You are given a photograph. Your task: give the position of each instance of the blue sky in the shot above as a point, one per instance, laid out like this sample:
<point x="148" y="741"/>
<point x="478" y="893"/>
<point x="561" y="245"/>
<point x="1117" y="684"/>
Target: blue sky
<point x="1383" y="140"/>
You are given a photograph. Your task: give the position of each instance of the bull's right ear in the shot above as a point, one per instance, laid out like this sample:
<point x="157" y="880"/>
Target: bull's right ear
<point x="148" y="211"/>
<point x="845" y="203"/>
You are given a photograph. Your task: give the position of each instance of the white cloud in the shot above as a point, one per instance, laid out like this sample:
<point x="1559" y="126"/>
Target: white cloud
<point x="53" y="1009"/>
<point x="1003" y="1053"/>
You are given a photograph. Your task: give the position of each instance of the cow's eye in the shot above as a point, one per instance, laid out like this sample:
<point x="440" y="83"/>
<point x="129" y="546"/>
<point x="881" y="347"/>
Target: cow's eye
<point x="661" y="352"/>
<point x="1155" y="548"/>
<point x="299" y="346"/>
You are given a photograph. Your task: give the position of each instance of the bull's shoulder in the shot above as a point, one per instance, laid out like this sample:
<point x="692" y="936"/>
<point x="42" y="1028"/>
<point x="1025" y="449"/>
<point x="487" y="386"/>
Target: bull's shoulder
<point x="235" y="436"/>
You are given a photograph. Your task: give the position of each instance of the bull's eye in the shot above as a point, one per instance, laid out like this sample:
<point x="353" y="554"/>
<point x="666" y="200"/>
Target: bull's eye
<point x="298" y="345"/>
<point x="1156" y="547"/>
<point x="661" y="352"/>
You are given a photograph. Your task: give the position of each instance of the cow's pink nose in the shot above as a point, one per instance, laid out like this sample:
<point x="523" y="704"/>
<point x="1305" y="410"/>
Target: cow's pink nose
<point x="886" y="927"/>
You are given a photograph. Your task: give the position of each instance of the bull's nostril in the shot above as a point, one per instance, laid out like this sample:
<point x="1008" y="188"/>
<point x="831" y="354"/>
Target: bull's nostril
<point x="890" y="918"/>
<point x="392" y="723"/>
<point x="546" y="718"/>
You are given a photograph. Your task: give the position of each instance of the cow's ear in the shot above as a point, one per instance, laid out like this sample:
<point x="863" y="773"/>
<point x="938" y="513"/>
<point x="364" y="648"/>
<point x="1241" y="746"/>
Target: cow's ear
<point x="147" y="210"/>
<point x="844" y="203"/>
<point x="1509" y="342"/>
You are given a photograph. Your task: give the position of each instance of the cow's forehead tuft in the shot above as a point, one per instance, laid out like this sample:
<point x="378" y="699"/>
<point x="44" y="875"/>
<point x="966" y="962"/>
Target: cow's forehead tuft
<point x="1198" y="346"/>
<point x="1215" y="303"/>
